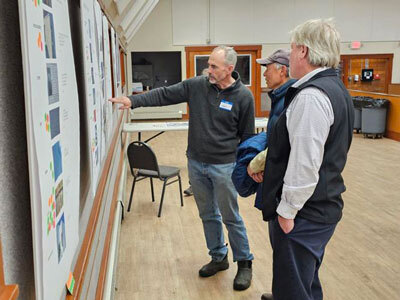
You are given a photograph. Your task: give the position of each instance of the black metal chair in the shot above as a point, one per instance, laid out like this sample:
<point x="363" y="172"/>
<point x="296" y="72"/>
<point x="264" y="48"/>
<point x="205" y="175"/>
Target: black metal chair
<point x="142" y="158"/>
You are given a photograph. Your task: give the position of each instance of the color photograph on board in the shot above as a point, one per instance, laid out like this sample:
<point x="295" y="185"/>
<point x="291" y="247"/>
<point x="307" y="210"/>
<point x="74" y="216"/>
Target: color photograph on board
<point x="49" y="37"/>
<point x="52" y="83"/>
<point x="57" y="160"/>
<point x="55" y="122"/>
<point x="61" y="240"/>
<point x="59" y="197"/>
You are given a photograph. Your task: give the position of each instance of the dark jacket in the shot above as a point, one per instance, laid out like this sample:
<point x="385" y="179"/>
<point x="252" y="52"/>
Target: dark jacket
<point x="215" y="130"/>
<point x="277" y="97"/>
<point x="244" y="184"/>
<point x="326" y="204"/>
<point x="246" y="151"/>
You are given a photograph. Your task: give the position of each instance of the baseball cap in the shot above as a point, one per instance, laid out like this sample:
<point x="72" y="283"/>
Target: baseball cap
<point x="280" y="56"/>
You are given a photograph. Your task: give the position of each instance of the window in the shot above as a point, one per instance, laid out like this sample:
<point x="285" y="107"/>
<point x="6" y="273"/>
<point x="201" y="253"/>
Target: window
<point x="243" y="66"/>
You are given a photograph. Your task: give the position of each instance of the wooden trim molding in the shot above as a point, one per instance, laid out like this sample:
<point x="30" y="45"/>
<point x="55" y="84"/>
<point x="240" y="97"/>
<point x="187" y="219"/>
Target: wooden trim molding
<point x="106" y="251"/>
<point x="122" y="63"/>
<point x="394" y="89"/>
<point x="393" y="135"/>
<point x="83" y="258"/>
<point x="254" y="50"/>
<point x="2" y="282"/>
<point x="257" y="96"/>
<point x="9" y="292"/>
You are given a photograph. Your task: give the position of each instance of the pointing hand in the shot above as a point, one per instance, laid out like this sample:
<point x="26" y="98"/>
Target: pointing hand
<point x="126" y="103"/>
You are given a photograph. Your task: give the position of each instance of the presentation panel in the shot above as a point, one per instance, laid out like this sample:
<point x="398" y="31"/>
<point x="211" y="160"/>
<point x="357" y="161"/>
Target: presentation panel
<point x="114" y="60"/>
<point x="52" y="112"/>
<point x="101" y="77"/>
<point x="92" y="87"/>
<point x="107" y="107"/>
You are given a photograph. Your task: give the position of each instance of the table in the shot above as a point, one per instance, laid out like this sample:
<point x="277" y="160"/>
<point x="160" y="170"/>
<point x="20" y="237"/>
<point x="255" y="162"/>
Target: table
<point x="139" y="127"/>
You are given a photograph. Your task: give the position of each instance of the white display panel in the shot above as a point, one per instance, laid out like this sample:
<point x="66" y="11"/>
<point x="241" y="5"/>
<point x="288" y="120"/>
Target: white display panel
<point x="92" y="88"/>
<point x="114" y="61"/>
<point x="52" y="113"/>
<point x="101" y="95"/>
<point x="107" y="107"/>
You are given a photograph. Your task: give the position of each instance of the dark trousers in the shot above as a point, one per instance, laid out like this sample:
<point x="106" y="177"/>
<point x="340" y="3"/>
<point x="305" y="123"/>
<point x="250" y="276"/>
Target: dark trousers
<point x="297" y="257"/>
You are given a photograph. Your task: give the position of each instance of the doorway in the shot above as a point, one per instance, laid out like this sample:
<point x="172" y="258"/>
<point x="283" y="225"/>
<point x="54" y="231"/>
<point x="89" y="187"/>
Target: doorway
<point x="246" y="66"/>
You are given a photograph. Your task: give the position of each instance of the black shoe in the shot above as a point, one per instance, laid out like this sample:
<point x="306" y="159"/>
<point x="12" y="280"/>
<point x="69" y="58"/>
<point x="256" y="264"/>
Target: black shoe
<point x="188" y="191"/>
<point x="243" y="276"/>
<point x="213" y="267"/>
<point x="267" y="296"/>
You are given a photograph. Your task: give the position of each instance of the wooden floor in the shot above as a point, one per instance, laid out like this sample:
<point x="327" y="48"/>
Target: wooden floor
<point x="159" y="258"/>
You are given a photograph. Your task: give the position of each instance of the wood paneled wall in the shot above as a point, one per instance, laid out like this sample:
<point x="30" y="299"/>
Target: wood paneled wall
<point x="381" y="65"/>
<point x="394" y="89"/>
<point x="393" y="116"/>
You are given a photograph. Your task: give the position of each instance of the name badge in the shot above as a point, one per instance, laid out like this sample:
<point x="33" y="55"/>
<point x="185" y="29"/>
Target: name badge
<point x="226" y="105"/>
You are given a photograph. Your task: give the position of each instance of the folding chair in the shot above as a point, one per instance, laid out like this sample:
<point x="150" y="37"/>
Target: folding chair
<point x="142" y="158"/>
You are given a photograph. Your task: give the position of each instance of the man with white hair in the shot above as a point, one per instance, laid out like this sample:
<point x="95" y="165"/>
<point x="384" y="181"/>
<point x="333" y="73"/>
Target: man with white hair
<point x="221" y="111"/>
<point x="308" y="147"/>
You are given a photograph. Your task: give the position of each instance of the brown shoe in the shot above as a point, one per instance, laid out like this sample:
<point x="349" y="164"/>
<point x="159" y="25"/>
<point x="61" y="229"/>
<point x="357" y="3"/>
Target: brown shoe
<point x="267" y="296"/>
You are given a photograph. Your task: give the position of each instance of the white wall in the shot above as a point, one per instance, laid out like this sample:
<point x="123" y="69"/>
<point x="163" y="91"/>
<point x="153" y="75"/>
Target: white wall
<point x="270" y="21"/>
<point x="156" y="34"/>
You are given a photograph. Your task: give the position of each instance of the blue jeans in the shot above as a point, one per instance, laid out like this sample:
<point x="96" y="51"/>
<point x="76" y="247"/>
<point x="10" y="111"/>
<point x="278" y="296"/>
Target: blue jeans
<point x="216" y="199"/>
<point x="297" y="257"/>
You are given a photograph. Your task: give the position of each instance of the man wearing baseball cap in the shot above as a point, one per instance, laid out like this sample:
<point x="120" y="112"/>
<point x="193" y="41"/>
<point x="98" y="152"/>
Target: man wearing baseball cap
<point x="278" y="81"/>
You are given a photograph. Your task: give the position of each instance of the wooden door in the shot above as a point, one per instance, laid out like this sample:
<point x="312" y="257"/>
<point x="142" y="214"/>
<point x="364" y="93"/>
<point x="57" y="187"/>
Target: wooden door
<point x="249" y="70"/>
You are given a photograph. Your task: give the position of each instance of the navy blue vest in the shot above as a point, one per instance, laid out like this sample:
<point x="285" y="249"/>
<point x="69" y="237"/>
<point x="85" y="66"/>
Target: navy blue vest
<point x="326" y="204"/>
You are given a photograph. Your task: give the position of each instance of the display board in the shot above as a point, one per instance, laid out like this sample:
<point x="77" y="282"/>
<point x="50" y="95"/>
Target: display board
<point x="52" y="112"/>
<point x="92" y="87"/>
<point x="114" y="61"/>
<point x="107" y="107"/>
<point x="101" y="76"/>
<point x="117" y="62"/>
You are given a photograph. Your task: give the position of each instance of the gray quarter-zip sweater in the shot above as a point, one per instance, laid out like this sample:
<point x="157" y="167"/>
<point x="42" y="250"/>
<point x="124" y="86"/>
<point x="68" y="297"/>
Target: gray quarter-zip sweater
<point x="219" y="119"/>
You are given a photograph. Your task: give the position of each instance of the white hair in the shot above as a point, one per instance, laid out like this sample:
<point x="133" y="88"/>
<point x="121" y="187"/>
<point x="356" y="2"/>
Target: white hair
<point x="230" y="54"/>
<point x="322" y="40"/>
<point x="279" y="66"/>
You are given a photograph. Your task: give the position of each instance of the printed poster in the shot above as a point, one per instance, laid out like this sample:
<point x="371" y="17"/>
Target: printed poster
<point x="114" y="60"/>
<point x="92" y="87"/>
<point x="52" y="112"/>
<point x="107" y="105"/>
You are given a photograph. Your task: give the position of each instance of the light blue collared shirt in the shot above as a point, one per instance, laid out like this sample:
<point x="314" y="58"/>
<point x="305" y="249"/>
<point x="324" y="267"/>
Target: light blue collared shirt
<point x="309" y="118"/>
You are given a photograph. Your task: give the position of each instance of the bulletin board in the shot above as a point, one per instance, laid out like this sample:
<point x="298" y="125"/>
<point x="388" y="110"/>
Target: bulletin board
<point x="52" y="113"/>
<point x="92" y="87"/>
